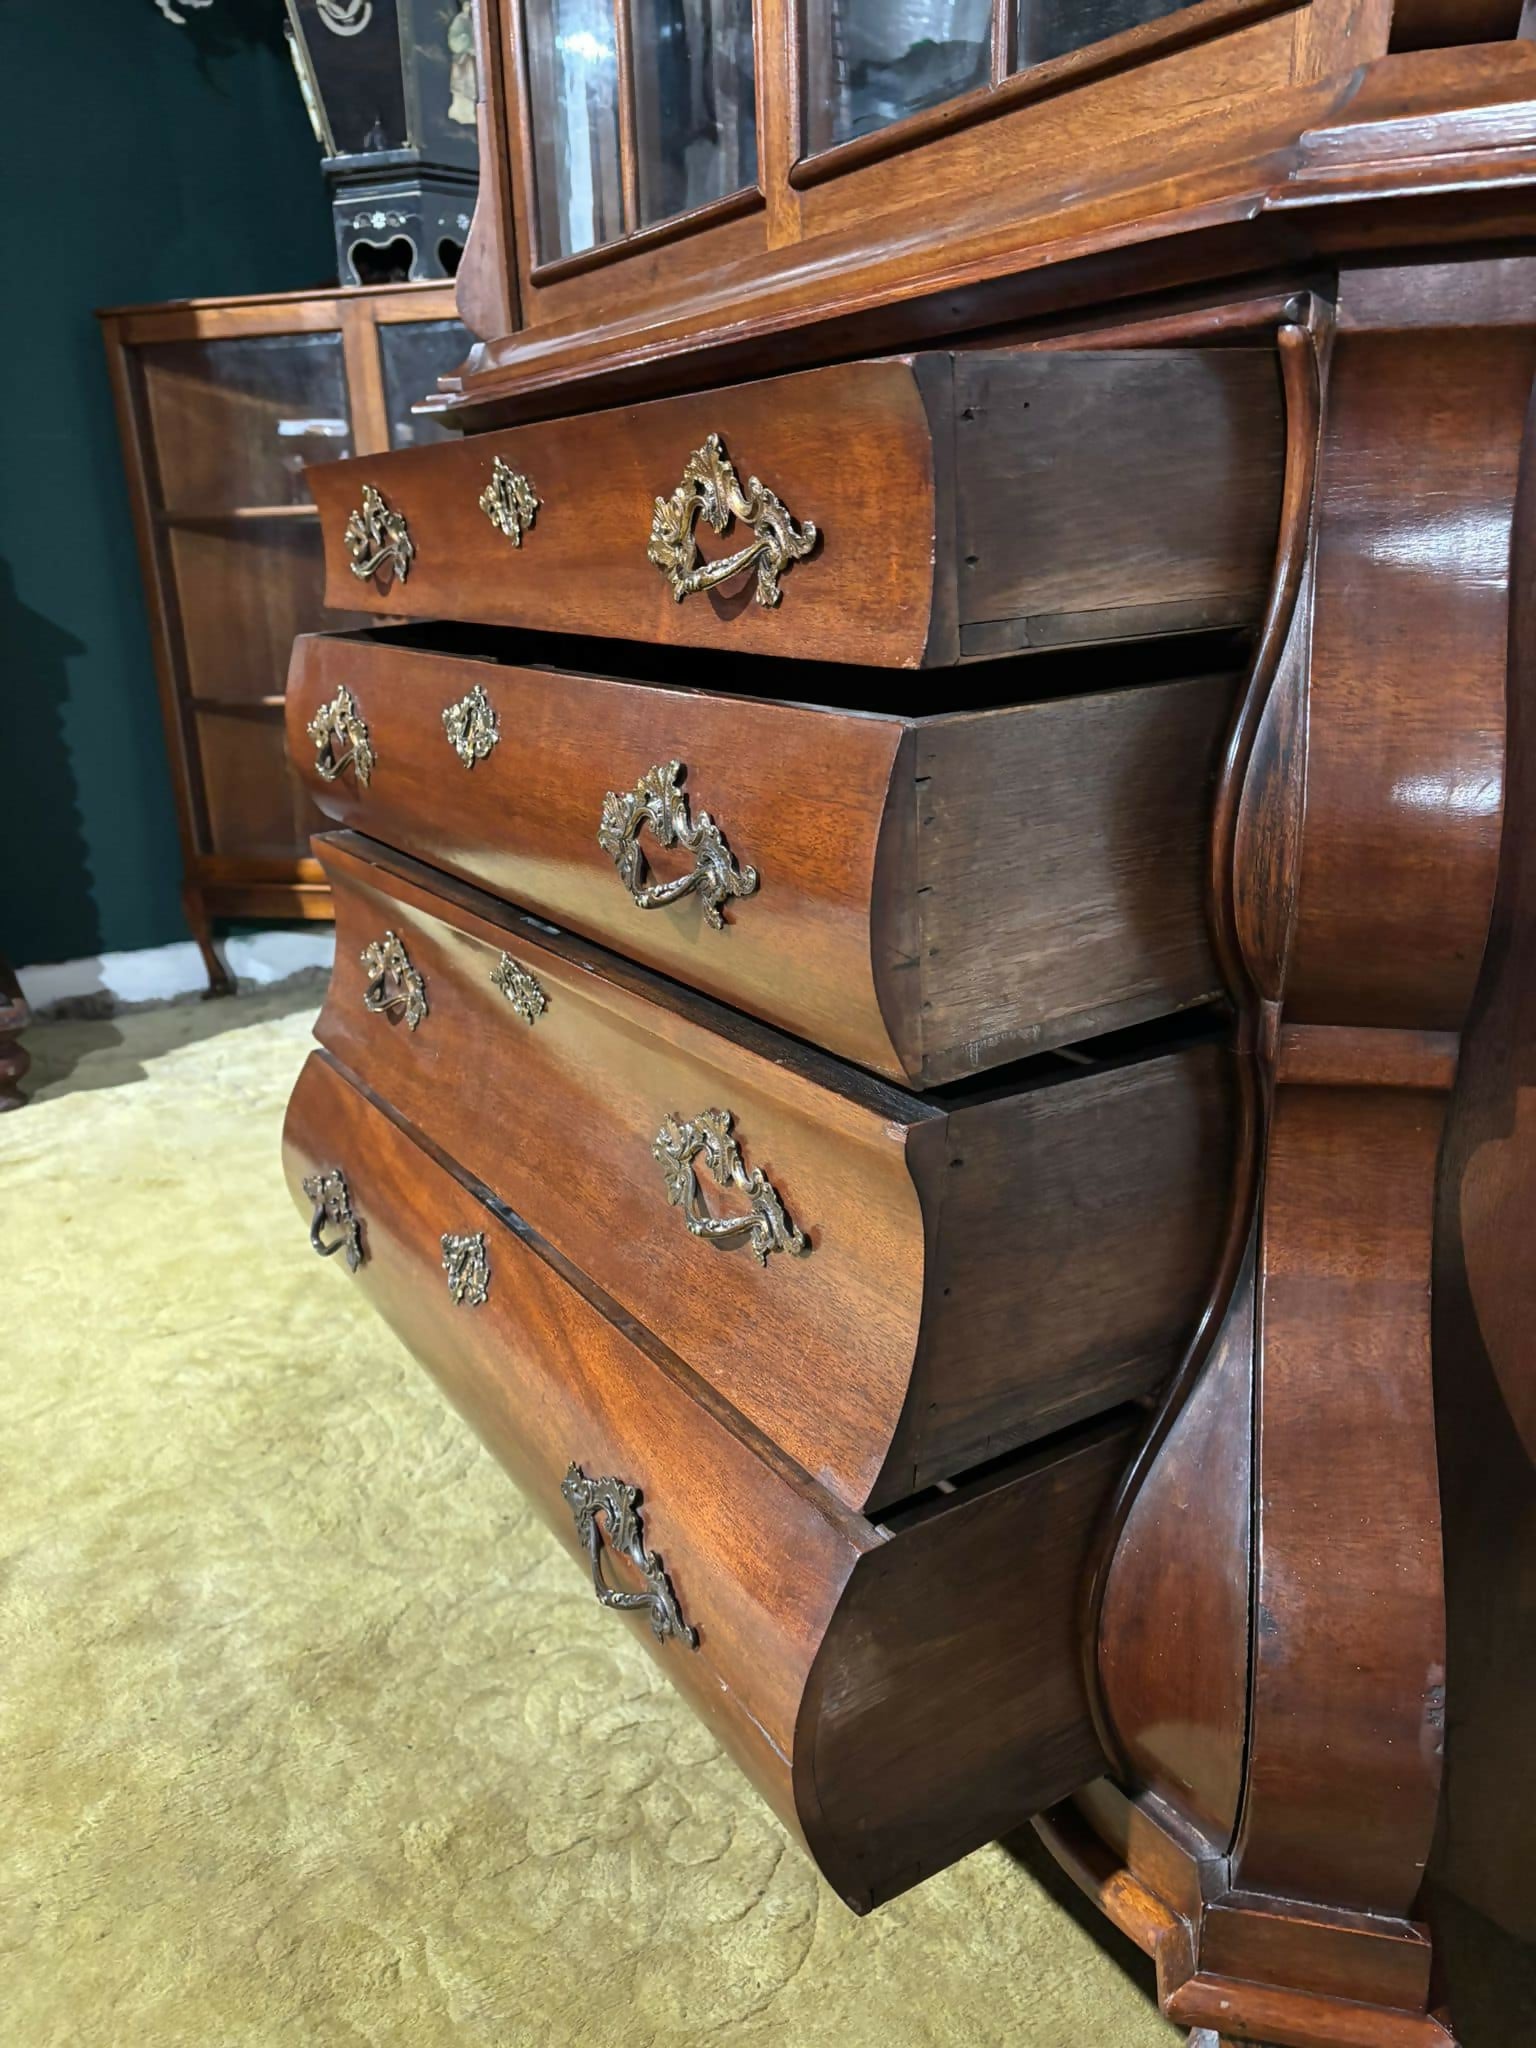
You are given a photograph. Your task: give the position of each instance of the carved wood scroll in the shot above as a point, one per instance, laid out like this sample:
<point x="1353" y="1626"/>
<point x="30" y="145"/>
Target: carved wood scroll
<point x="1266" y="1624"/>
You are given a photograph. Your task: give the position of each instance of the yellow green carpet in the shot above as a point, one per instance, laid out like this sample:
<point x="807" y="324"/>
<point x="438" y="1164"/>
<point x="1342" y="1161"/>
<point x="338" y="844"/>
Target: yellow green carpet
<point x="308" y="1732"/>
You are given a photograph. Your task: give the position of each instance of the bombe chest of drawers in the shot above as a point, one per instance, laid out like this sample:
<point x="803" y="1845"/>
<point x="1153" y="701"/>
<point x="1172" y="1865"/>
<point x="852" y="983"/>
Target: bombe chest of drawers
<point x="914" y="844"/>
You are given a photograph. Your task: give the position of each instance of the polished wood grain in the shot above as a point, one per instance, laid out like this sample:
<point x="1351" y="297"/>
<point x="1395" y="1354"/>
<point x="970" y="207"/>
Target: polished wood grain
<point x="937" y="894"/>
<point x="947" y="1266"/>
<point x="1485" y="1361"/>
<point x="1348" y="1714"/>
<point x="1175" y="1712"/>
<point x="830" y="1649"/>
<point x="1371" y="816"/>
<point x="1161" y="468"/>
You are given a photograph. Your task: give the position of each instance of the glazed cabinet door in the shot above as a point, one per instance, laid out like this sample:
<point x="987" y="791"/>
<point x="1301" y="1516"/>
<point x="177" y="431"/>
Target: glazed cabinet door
<point x="683" y="170"/>
<point x="639" y="120"/>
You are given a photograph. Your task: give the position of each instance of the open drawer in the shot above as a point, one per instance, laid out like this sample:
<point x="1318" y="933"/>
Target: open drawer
<point x="891" y="1287"/>
<point x="900" y="1691"/>
<point x="909" y="512"/>
<point x="928" y="892"/>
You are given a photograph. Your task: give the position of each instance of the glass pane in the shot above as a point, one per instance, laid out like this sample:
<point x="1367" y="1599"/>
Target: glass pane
<point x="244" y="590"/>
<point x="1048" y="28"/>
<point x="234" y="422"/>
<point x="871" y="62"/>
<point x="414" y="355"/>
<point x="695" y="114"/>
<point x="256" y="806"/>
<point x="573" y="86"/>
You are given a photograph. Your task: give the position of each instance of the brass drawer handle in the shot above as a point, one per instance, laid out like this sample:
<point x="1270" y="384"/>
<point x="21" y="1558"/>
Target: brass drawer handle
<point x="510" y="502"/>
<point x="710" y="491"/>
<point x="378" y="538"/>
<point x="472" y="727"/>
<point x="340" y="724"/>
<point x="393" y="982"/>
<point x="657" y="801"/>
<point x="333" y="1205"/>
<point x="587" y="1499"/>
<point x="764" y="1228"/>
<point x="519" y="988"/>
<point x="468" y="1267"/>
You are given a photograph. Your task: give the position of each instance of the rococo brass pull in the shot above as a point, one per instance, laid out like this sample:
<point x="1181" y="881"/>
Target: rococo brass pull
<point x="468" y="1267"/>
<point x="472" y="727"/>
<point x="333" y="1205"/>
<point x="657" y="801"/>
<point x="519" y="988"/>
<point x="378" y="538"/>
<point x="340" y="724"/>
<point x="764" y="1228"/>
<point x="393" y="982"/>
<point x="619" y="1503"/>
<point x="710" y="491"/>
<point x="510" y="502"/>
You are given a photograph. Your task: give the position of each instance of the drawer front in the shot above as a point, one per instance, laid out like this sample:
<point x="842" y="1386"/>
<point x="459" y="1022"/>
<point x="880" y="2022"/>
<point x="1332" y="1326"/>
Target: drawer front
<point x="830" y="1655"/>
<point x="583" y="564"/>
<point x="908" y="512"/>
<point x="547" y="1382"/>
<point x="798" y="795"/>
<point x="924" y="896"/>
<point x="560" y="1117"/>
<point x="984" y="1275"/>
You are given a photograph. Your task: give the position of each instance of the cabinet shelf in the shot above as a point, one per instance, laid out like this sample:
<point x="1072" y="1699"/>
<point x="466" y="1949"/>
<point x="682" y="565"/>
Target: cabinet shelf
<point x="240" y="707"/>
<point x="232" y="515"/>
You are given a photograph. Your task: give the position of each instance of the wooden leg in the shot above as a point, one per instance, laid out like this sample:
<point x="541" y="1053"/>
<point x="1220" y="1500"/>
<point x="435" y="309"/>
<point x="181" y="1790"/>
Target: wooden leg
<point x="220" y="981"/>
<point x="14" y="1057"/>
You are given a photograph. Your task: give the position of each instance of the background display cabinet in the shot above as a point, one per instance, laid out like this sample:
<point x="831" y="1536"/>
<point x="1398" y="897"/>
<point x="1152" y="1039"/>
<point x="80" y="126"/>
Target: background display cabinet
<point x="222" y="402"/>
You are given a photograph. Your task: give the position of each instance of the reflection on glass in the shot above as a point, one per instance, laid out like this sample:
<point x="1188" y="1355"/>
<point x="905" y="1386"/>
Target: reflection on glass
<point x="573" y="84"/>
<point x="235" y="421"/>
<point x="1048" y="28"/>
<point x="871" y="62"/>
<point x="414" y="354"/>
<point x="695" y="119"/>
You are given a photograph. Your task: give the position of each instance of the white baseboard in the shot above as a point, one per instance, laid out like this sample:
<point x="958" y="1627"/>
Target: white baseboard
<point x="161" y="974"/>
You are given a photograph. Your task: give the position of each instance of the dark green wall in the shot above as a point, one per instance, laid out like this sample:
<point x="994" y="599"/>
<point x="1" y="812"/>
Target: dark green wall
<point x="141" y="161"/>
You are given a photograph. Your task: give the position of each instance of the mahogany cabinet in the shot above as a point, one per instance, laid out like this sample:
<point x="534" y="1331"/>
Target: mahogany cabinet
<point x="221" y="403"/>
<point x="936" y="1025"/>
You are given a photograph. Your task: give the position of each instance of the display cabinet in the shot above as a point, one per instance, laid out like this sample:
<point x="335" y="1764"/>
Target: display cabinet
<point x="222" y="402"/>
<point x="948" y="754"/>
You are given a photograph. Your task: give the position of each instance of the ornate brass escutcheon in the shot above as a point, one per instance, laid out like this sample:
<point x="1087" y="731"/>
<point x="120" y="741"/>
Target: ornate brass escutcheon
<point x="393" y="983"/>
<point x="510" y="502"/>
<point x="519" y="988"/>
<point x="710" y="491"/>
<point x="618" y="1504"/>
<point x="657" y="801"/>
<point x="378" y="538"/>
<point x="764" y="1228"/>
<point x="468" y="1267"/>
<point x="333" y="1205"/>
<point x="472" y="727"/>
<point x="340" y="724"/>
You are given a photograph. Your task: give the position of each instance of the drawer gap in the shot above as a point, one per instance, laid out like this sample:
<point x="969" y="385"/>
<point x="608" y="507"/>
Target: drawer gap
<point x="1013" y="678"/>
<point x="945" y="1495"/>
<point x="1202" y="1024"/>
